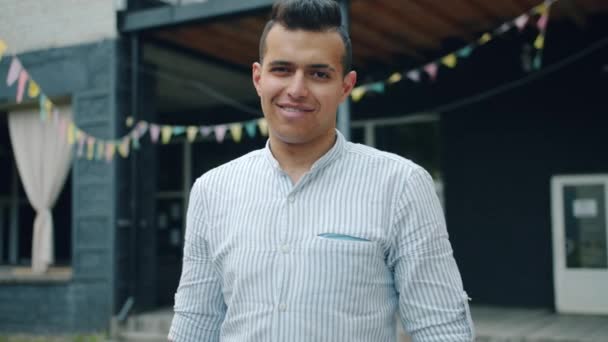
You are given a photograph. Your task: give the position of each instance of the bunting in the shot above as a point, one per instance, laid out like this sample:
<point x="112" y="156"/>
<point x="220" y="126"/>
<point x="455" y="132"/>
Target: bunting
<point x="93" y="148"/>
<point x="451" y="60"/>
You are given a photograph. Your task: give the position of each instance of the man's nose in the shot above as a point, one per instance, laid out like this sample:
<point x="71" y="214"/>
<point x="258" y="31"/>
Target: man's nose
<point x="297" y="86"/>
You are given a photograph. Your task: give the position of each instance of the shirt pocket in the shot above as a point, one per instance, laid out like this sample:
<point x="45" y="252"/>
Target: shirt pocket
<point x="347" y="275"/>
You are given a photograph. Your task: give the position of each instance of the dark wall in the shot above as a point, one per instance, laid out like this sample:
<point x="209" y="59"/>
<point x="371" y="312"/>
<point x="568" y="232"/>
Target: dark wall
<point x="498" y="157"/>
<point x="86" y="75"/>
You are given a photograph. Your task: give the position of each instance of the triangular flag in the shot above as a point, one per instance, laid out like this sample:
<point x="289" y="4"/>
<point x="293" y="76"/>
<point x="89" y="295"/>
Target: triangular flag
<point x="503" y="28"/>
<point x="220" y="132"/>
<point x="142" y="128"/>
<point x="414" y="75"/>
<point x="99" y="154"/>
<point x="539" y="43"/>
<point x="33" y="90"/>
<point x="81" y="139"/>
<point x="251" y="128"/>
<point x="191" y="133"/>
<point x="135" y="138"/>
<point x="541" y="8"/>
<point x="263" y="124"/>
<point x="357" y="93"/>
<point x="129" y="121"/>
<point x="123" y="149"/>
<point x="431" y="69"/>
<point x="166" y="132"/>
<point x="486" y="37"/>
<point x="23" y="77"/>
<point x="90" y="147"/>
<point x="71" y="133"/>
<point x="521" y="21"/>
<point x="177" y="130"/>
<point x="3" y="48"/>
<point x="449" y="60"/>
<point x="205" y="131"/>
<point x="542" y="21"/>
<point x="48" y="106"/>
<point x="395" y="77"/>
<point x="465" y="51"/>
<point x="537" y="63"/>
<point x="377" y="87"/>
<point x="43" y="108"/>
<point x="236" y="131"/>
<point x="13" y="71"/>
<point x="154" y="132"/>
<point x="110" y="150"/>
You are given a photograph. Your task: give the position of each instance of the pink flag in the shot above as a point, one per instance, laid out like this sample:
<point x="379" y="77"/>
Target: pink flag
<point x="414" y="75"/>
<point x="220" y="132"/>
<point x="154" y="132"/>
<point x="521" y="21"/>
<point x="542" y="21"/>
<point x="23" y="76"/>
<point x="431" y="69"/>
<point x="13" y="71"/>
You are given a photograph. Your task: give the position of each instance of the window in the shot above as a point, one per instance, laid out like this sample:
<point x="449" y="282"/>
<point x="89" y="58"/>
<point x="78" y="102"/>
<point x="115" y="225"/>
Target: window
<point x="17" y="215"/>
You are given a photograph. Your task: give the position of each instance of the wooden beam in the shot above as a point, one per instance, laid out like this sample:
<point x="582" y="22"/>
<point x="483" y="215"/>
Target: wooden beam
<point x="165" y="16"/>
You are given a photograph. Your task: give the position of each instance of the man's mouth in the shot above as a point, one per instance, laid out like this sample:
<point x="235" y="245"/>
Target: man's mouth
<point x="294" y="110"/>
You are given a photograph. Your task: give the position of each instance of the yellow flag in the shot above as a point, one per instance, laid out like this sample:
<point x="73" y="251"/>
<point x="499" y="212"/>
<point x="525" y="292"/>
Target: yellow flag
<point x="33" y="90"/>
<point x="166" y="133"/>
<point x="449" y="60"/>
<point x="263" y="124"/>
<point x="541" y="9"/>
<point x="48" y="106"/>
<point x="71" y="134"/>
<point x="236" y="131"/>
<point x="90" y="148"/>
<point x="100" y="150"/>
<point x="123" y="149"/>
<point x="191" y="133"/>
<point x="485" y="38"/>
<point x="358" y="93"/>
<point x="539" y="43"/>
<point x="110" y="150"/>
<point x="3" y="48"/>
<point x="395" y="77"/>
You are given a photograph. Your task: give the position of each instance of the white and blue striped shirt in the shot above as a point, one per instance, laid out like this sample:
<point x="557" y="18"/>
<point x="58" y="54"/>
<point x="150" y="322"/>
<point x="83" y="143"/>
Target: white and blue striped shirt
<point x="331" y="258"/>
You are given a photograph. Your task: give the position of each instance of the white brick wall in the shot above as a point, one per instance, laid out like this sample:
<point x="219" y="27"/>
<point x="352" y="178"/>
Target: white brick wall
<point x="27" y="25"/>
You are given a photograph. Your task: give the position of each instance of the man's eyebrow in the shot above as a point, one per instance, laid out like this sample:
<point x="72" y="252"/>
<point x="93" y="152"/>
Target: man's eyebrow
<point x="280" y="63"/>
<point x="321" y="66"/>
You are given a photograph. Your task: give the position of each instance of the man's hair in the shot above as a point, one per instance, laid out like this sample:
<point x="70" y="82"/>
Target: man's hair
<point x="309" y="15"/>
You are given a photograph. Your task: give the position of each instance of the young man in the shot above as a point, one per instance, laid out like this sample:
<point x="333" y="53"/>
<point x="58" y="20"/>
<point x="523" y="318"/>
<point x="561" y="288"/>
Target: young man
<point x="314" y="238"/>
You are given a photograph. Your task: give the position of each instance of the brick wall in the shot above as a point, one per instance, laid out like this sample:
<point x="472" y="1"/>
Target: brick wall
<point x="27" y="25"/>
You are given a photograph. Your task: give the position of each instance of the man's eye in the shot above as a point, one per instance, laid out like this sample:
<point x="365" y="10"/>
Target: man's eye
<point x="320" y="74"/>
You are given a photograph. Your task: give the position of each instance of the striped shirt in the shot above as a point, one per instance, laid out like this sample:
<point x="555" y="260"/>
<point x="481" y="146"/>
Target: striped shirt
<point x="360" y="237"/>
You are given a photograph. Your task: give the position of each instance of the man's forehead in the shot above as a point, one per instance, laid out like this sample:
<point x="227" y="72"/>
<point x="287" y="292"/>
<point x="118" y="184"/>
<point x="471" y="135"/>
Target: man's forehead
<point x="304" y="47"/>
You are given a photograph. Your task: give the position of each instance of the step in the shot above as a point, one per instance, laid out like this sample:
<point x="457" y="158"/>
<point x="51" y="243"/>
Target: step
<point x="140" y="336"/>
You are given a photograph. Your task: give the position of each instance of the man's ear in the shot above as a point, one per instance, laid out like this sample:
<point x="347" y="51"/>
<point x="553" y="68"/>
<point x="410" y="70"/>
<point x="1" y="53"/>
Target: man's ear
<point x="256" y="73"/>
<point x="348" y="84"/>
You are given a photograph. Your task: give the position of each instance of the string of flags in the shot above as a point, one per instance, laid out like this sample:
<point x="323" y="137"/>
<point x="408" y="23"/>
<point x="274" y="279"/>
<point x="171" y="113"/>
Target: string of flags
<point x="451" y="60"/>
<point x="94" y="148"/>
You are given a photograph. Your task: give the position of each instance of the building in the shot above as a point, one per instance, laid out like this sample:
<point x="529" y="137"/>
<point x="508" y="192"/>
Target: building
<point x="492" y="131"/>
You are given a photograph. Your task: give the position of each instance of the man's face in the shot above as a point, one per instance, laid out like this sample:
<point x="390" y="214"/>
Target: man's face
<point x="301" y="83"/>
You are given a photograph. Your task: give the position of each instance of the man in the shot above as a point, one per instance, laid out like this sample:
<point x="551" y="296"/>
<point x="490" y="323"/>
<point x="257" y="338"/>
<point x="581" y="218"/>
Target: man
<point x="314" y="238"/>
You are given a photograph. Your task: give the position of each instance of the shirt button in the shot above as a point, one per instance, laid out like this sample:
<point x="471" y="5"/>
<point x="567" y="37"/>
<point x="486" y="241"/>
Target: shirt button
<point x="291" y="199"/>
<point x="285" y="249"/>
<point x="282" y="307"/>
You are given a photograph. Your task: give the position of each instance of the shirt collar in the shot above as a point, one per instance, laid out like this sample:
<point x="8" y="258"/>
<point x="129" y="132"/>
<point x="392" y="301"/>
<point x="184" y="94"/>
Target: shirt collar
<point x="334" y="152"/>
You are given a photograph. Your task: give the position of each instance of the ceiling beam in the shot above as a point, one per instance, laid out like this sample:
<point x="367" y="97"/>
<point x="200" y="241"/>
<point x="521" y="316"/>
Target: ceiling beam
<point x="152" y="18"/>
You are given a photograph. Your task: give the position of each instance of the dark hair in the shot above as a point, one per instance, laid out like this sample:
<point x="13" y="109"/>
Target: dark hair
<point x="309" y="15"/>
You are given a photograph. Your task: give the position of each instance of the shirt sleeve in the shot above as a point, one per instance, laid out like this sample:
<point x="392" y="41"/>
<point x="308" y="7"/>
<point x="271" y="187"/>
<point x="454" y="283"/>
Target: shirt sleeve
<point x="432" y="303"/>
<point x="199" y="303"/>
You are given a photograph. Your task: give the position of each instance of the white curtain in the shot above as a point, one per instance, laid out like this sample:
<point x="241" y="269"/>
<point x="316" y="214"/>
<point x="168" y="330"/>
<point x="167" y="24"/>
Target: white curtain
<point x="43" y="159"/>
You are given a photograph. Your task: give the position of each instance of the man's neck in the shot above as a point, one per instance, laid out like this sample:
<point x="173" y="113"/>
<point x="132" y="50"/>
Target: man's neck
<point x="297" y="159"/>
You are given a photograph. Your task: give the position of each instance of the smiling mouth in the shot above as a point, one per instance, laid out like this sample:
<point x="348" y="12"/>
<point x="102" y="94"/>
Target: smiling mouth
<point x="294" y="111"/>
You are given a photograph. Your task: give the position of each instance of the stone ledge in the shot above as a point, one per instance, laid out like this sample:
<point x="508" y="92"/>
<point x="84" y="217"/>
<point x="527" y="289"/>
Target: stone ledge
<point x="24" y="275"/>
